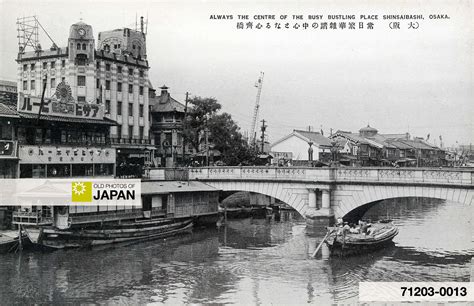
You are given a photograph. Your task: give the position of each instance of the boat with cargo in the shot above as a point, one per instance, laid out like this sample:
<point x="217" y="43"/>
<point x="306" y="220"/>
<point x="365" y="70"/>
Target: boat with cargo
<point x="341" y="242"/>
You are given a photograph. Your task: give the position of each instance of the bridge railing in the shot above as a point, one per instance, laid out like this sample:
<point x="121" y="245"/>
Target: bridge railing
<point x="262" y="173"/>
<point x="454" y="176"/>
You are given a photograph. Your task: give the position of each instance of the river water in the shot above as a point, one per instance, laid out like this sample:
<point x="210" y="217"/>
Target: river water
<point x="250" y="261"/>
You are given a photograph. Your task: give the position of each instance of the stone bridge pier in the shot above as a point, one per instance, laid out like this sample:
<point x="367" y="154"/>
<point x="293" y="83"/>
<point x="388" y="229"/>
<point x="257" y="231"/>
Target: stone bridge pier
<point x="319" y="212"/>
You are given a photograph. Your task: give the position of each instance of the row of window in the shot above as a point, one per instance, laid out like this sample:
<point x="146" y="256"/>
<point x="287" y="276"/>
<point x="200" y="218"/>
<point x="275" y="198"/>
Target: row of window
<point x="130" y="131"/>
<point x="45" y="65"/>
<point x="119" y="69"/>
<point x="107" y="86"/>
<point x="119" y="108"/>
<point x="33" y="84"/>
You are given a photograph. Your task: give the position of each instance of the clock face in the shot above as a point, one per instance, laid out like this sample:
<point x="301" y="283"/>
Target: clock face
<point x="81" y="32"/>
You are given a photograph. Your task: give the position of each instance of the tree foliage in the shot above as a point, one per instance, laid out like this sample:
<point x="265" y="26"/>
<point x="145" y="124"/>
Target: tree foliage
<point x="224" y="133"/>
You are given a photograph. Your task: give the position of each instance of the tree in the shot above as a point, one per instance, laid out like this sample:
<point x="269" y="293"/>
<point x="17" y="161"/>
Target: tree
<point x="224" y="133"/>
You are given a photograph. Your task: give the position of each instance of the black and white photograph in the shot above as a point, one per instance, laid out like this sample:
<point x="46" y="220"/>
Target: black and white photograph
<point x="236" y="152"/>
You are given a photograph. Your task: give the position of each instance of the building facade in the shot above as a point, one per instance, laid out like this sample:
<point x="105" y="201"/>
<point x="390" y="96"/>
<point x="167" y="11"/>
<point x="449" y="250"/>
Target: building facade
<point x="369" y="148"/>
<point x="167" y="128"/>
<point x="8" y="92"/>
<point x="107" y="83"/>
<point x="63" y="128"/>
<point x="301" y="146"/>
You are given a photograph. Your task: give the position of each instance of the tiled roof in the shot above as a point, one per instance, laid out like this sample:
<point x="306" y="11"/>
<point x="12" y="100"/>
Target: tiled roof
<point x="165" y="104"/>
<point x="351" y="136"/>
<point x="417" y="144"/>
<point x="8" y="111"/>
<point x="401" y="145"/>
<point x="105" y="121"/>
<point x="315" y="137"/>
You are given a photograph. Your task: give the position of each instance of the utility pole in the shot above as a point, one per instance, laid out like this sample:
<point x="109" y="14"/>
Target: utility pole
<point x="185" y="125"/>
<point x="262" y="137"/>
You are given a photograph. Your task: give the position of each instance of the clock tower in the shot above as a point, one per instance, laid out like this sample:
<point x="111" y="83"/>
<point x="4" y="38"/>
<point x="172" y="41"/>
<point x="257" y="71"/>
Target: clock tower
<point x="81" y="44"/>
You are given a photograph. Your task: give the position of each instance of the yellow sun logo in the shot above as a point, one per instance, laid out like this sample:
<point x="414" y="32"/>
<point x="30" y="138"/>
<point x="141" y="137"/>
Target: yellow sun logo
<point x="81" y="191"/>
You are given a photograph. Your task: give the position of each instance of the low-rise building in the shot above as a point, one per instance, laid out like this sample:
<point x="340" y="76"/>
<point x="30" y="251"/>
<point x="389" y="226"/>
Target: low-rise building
<point x="167" y="115"/>
<point x="370" y="148"/>
<point x="301" y="146"/>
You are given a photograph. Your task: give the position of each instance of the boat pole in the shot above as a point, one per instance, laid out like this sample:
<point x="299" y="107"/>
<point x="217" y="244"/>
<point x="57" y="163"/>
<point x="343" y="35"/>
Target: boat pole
<point x="20" y="243"/>
<point x="320" y="244"/>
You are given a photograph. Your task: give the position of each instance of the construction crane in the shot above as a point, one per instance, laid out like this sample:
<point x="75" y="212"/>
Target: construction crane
<point x="253" y="134"/>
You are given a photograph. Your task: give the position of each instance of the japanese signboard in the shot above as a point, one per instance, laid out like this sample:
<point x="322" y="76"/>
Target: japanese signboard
<point x="67" y="155"/>
<point x="32" y="104"/>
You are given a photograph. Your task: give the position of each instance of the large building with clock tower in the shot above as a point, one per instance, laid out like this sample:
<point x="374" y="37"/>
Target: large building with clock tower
<point x="92" y="97"/>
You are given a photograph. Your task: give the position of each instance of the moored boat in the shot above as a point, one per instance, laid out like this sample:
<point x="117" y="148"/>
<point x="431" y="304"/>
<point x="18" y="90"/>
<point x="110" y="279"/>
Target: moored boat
<point x="9" y="241"/>
<point x="344" y="244"/>
<point x="53" y="238"/>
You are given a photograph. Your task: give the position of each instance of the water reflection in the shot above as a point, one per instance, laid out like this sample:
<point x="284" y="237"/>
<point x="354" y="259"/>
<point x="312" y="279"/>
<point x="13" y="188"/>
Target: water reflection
<point x="250" y="261"/>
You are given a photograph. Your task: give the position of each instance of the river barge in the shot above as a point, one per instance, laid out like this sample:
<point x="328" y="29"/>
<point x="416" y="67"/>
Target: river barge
<point x="167" y="209"/>
<point x="346" y="244"/>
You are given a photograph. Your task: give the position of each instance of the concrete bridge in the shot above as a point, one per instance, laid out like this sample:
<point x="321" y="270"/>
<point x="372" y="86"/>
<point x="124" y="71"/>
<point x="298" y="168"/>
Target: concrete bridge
<point x="323" y="194"/>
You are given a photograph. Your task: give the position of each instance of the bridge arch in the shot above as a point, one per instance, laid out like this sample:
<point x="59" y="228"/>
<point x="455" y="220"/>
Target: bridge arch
<point x="295" y="195"/>
<point x="349" y="198"/>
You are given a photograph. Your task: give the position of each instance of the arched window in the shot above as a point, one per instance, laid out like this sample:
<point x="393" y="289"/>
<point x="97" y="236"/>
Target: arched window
<point x="78" y="46"/>
<point x="83" y="46"/>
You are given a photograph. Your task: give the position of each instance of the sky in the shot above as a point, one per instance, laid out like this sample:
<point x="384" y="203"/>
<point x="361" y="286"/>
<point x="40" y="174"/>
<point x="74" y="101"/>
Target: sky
<point x="406" y="80"/>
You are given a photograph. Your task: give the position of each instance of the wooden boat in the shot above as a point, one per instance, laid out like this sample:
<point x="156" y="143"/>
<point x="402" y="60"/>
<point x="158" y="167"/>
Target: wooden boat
<point x="9" y="242"/>
<point x="349" y="244"/>
<point x="54" y="238"/>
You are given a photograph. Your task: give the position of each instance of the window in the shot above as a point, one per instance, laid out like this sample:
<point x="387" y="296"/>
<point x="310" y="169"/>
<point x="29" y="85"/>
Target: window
<point x="119" y="131"/>
<point x="78" y="46"/>
<point x="97" y="83"/>
<point x="119" y="108"/>
<point x="81" y="99"/>
<point x="32" y="85"/>
<point x="63" y="79"/>
<point x="63" y="63"/>
<point x="107" y="67"/>
<point x="107" y="85"/>
<point x="130" y="109"/>
<point x="81" y="80"/>
<point x="141" y="90"/>
<point x="98" y="65"/>
<point x="81" y="59"/>
<point x="130" y="88"/>
<point x="119" y="87"/>
<point x="107" y="106"/>
<point x="45" y="65"/>
<point x="83" y="46"/>
<point x="141" y="110"/>
<point x="130" y="71"/>
<point x="130" y="131"/>
<point x="141" y="132"/>
<point x="141" y="73"/>
<point x="119" y="68"/>
<point x="25" y="85"/>
<point x="32" y="67"/>
<point x="25" y="67"/>
<point x="53" y="83"/>
<point x="53" y="65"/>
